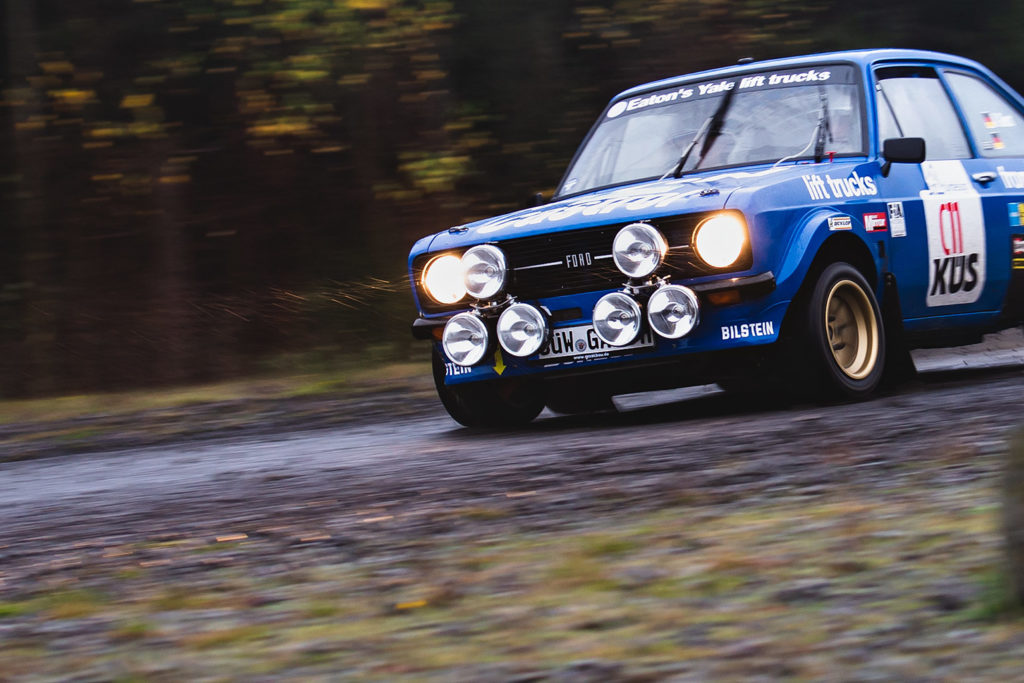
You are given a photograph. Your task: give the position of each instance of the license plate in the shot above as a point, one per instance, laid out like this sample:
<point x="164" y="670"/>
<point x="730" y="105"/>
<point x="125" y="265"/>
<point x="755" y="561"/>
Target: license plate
<point x="581" y="343"/>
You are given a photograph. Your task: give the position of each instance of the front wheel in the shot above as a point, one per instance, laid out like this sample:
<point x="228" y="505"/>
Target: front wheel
<point x="491" y="404"/>
<point x="844" y="334"/>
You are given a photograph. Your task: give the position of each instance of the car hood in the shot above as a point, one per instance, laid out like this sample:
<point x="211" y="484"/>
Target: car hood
<point x="652" y="199"/>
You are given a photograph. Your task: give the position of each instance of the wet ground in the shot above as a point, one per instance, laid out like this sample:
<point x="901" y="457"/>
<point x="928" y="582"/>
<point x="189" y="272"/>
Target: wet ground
<point x="331" y="444"/>
<point x="367" y="470"/>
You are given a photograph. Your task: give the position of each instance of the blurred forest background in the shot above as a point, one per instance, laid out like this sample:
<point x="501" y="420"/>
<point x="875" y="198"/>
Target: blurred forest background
<point x="198" y="189"/>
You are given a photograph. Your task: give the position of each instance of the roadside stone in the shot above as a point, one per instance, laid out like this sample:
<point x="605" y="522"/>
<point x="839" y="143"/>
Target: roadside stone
<point x="588" y="671"/>
<point x="804" y="591"/>
<point x="638" y="577"/>
<point x="746" y="648"/>
<point x="953" y="597"/>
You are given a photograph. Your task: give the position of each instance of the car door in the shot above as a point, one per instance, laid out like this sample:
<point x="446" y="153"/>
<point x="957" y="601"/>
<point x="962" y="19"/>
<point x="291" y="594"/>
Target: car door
<point x="996" y="128"/>
<point x="938" y="214"/>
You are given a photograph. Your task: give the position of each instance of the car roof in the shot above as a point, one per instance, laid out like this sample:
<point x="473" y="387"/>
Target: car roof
<point x="859" y="57"/>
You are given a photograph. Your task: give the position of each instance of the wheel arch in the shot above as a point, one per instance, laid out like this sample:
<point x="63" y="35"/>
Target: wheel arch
<point x="849" y="248"/>
<point x="821" y="247"/>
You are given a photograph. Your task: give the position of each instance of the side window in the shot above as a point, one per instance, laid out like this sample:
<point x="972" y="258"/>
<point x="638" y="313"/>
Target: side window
<point x="918" y="105"/>
<point x="996" y="126"/>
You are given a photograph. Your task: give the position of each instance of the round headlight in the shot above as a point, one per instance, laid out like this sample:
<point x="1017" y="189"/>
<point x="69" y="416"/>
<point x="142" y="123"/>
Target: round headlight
<point x="442" y="279"/>
<point x="617" y="318"/>
<point x="465" y="339"/>
<point x="673" y="311"/>
<point x="484" y="269"/>
<point x="638" y="249"/>
<point x="522" y="330"/>
<point x="719" y="240"/>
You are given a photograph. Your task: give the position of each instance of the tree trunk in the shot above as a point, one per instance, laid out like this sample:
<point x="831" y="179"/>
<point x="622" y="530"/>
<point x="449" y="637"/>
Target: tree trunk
<point x="1013" y="515"/>
<point x="36" y="371"/>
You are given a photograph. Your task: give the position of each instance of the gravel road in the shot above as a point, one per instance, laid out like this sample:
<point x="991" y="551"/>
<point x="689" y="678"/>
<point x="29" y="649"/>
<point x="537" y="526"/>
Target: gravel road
<point x="664" y="441"/>
<point x="969" y="394"/>
<point x="942" y="432"/>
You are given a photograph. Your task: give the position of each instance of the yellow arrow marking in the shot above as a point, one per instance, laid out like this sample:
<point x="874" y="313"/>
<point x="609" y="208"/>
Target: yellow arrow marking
<point x="499" y="362"/>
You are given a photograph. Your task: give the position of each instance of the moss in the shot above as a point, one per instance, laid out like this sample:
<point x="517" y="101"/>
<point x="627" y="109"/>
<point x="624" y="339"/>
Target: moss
<point x="997" y="599"/>
<point x="602" y="545"/>
<point x="72" y="604"/>
<point x="14" y="609"/>
<point x="236" y="635"/>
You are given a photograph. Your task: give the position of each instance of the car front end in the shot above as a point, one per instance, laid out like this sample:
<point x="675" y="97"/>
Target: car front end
<point x="671" y="251"/>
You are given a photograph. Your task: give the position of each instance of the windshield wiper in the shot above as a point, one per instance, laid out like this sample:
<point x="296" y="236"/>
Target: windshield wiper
<point x="821" y="131"/>
<point x="824" y="128"/>
<point x="712" y="127"/>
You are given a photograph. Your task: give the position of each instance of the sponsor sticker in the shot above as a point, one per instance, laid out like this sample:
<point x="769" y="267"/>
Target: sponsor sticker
<point x="748" y="330"/>
<point x="956" y="235"/>
<point x="840" y="223"/>
<point x="997" y="120"/>
<point x="617" y="109"/>
<point x="588" y="207"/>
<point x="827" y="187"/>
<point x="946" y="176"/>
<point x="874" y="222"/>
<point x="1012" y="180"/>
<point x="1016" y="209"/>
<point x="1018" y="252"/>
<point x="756" y="82"/>
<point x="453" y="370"/>
<point x="897" y="221"/>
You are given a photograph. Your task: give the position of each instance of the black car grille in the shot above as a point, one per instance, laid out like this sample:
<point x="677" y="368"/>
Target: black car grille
<point x="581" y="261"/>
<point x="562" y="263"/>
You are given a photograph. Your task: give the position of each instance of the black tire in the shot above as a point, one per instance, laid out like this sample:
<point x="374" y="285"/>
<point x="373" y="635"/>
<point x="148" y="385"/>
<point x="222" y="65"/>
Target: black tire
<point x="497" y="404"/>
<point x="841" y="336"/>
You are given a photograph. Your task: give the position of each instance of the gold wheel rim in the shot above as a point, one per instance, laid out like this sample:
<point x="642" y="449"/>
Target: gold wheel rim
<point x="851" y="329"/>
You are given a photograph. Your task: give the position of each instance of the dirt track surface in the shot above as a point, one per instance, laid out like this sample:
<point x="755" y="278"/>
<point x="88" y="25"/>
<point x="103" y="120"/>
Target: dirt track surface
<point x="368" y="487"/>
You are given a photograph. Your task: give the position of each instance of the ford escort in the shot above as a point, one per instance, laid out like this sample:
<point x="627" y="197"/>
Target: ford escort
<point x="795" y="224"/>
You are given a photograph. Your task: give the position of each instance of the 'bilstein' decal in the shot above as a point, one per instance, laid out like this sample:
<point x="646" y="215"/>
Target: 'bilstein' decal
<point x="748" y="330"/>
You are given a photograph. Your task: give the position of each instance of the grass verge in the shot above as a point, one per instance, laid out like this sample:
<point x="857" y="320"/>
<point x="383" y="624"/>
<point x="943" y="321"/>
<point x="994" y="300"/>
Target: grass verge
<point x="797" y="590"/>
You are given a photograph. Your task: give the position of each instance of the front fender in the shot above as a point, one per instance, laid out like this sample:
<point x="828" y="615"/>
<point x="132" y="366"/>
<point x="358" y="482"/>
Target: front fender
<point x="820" y="232"/>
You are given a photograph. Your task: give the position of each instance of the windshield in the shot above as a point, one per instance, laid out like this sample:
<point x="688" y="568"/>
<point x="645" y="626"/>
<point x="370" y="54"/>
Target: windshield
<point x="773" y="116"/>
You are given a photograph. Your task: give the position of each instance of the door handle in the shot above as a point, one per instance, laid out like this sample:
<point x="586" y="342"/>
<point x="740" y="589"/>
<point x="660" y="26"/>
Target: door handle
<point x="984" y="177"/>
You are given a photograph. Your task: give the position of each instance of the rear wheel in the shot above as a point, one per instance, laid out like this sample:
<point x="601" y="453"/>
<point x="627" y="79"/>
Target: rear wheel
<point x="493" y="404"/>
<point x="843" y="335"/>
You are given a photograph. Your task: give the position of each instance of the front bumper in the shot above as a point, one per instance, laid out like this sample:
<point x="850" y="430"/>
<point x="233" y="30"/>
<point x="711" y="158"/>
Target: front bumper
<point x="746" y="288"/>
<point x="736" y="314"/>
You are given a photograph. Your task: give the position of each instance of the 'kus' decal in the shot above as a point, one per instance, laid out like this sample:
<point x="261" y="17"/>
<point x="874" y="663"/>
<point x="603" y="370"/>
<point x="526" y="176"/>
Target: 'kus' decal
<point x="956" y="235"/>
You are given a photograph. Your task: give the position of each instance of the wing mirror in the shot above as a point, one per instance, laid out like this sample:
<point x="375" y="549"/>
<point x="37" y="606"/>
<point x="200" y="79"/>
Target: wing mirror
<point x="901" y="151"/>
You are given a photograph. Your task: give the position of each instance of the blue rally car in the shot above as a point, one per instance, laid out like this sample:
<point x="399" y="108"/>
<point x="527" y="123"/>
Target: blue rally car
<point x="791" y="224"/>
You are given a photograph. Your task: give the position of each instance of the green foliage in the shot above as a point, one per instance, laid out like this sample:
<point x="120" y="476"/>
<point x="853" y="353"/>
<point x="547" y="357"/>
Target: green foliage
<point x="997" y="600"/>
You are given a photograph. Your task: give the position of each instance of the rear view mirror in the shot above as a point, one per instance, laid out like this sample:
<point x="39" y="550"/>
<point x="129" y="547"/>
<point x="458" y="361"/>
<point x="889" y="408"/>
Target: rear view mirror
<point x="902" y="151"/>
